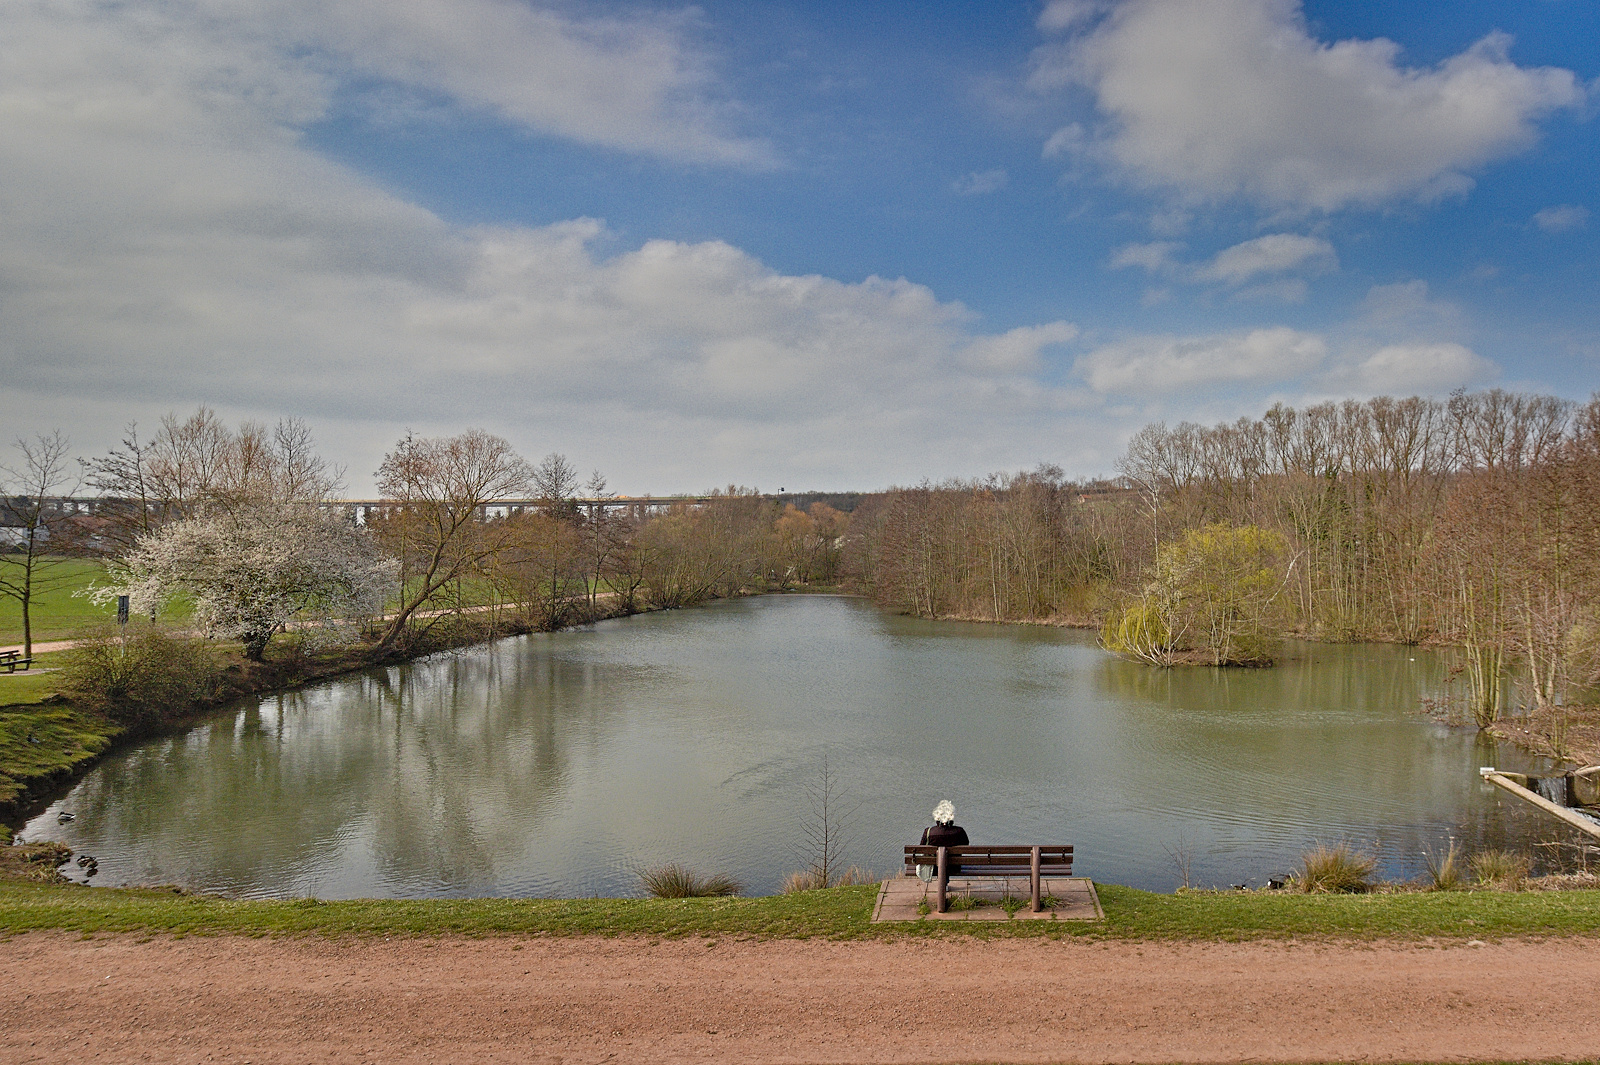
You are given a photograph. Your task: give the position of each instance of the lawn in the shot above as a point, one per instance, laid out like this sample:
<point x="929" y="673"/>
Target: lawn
<point x="57" y="613"/>
<point x="835" y="913"/>
<point x="32" y="685"/>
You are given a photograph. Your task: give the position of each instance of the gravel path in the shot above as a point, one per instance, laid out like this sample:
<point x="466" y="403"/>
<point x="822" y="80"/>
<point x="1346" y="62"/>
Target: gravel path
<point x="526" y="1000"/>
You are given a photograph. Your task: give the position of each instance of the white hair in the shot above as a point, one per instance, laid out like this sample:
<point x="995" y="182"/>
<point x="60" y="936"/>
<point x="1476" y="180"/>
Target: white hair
<point x="944" y="813"/>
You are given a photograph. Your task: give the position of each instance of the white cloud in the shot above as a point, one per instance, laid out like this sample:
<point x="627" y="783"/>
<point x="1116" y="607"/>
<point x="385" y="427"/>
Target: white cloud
<point x="1017" y="351"/>
<point x="1408" y="308"/>
<point x="1068" y="140"/>
<point x="1157" y="364"/>
<point x="170" y="240"/>
<point x="1274" y="253"/>
<point x="1155" y="257"/>
<point x="981" y="182"/>
<point x="1292" y="290"/>
<point x="1059" y="15"/>
<point x="1417" y="368"/>
<point x="1562" y="218"/>
<point x="636" y="84"/>
<point x="1219" y="99"/>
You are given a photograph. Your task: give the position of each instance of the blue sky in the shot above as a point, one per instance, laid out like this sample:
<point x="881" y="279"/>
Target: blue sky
<point x="787" y="244"/>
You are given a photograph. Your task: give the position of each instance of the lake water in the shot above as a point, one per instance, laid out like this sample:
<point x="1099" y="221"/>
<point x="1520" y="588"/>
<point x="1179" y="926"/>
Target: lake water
<point x="561" y="764"/>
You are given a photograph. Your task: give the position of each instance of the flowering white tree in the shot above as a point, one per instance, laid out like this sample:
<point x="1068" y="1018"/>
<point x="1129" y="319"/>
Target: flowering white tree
<point x="252" y="571"/>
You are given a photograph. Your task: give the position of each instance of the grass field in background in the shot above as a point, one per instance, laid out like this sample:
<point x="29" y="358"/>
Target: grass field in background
<point x="57" y="613"/>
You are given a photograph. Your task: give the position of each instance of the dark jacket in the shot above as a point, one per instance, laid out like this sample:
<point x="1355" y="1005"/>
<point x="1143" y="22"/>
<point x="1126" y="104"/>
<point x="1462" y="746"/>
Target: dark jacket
<point x="946" y="836"/>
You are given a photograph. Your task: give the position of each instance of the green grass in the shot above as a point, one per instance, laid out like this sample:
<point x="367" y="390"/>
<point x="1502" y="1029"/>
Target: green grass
<point x="59" y="614"/>
<point x="33" y="685"/>
<point x="834" y="913"/>
<point x="67" y="738"/>
<point x="56" y="613"/>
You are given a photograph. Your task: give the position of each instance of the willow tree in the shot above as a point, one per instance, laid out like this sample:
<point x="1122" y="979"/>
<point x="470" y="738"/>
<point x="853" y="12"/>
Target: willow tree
<point x="1214" y="597"/>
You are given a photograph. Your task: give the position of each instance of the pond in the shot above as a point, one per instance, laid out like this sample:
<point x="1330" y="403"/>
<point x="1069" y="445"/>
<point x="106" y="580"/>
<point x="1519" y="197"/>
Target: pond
<point x="562" y="764"/>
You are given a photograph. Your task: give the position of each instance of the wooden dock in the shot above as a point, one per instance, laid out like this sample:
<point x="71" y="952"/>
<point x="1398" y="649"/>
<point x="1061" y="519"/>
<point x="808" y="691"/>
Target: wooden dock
<point x="1565" y="813"/>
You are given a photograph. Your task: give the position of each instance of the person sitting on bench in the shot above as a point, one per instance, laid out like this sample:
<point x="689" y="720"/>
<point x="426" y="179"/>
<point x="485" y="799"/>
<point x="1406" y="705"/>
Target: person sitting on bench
<point x="944" y="832"/>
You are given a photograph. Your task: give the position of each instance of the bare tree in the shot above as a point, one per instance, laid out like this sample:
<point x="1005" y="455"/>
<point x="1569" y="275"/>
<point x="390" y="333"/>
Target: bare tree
<point x="126" y="485"/>
<point x="828" y="828"/>
<point x="33" y="482"/>
<point x="555" y="480"/>
<point x="435" y="524"/>
<point x="600" y="535"/>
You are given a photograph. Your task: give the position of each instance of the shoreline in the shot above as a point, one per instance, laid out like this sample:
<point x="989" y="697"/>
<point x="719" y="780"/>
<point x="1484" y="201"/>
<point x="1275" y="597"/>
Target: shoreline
<point x="243" y="680"/>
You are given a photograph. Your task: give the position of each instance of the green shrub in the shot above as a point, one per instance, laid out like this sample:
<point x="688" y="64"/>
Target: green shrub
<point x="1504" y="869"/>
<point x="1335" y="869"/>
<point x="674" y="881"/>
<point x="140" y="677"/>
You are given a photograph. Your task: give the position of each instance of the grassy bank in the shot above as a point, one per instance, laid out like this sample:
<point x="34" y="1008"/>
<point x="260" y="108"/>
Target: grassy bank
<point x="836" y="913"/>
<point x="44" y="746"/>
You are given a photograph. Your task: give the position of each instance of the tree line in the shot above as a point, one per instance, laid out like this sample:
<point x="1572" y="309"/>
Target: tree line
<point x="1469" y="521"/>
<point x="242" y="525"/>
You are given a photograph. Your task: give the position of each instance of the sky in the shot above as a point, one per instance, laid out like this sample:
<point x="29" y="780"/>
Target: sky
<point x="790" y="245"/>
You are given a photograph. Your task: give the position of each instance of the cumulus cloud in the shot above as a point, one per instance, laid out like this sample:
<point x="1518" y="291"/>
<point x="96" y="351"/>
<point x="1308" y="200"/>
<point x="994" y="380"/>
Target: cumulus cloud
<point x="1157" y="364"/>
<point x="981" y="182"/>
<point x="637" y="84"/>
<point x="1408" y="308"/>
<point x="1221" y="99"/>
<point x="1059" y="15"/>
<point x="1562" y="218"/>
<point x="172" y="240"/>
<point x="1416" y="368"/>
<point x="1156" y="257"/>
<point x="1235" y="267"/>
<point x="1274" y="253"/>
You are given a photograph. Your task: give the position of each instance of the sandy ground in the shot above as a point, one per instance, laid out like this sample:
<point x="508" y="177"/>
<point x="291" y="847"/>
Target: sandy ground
<point x="593" y="1000"/>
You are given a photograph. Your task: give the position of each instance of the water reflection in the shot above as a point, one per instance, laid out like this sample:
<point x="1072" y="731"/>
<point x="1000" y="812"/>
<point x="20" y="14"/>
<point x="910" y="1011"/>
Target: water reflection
<point x="561" y="764"/>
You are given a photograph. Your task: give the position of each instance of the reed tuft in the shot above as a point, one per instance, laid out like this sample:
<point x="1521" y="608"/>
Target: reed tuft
<point x="674" y="881"/>
<point x="1501" y="869"/>
<point x="1445" y="871"/>
<point x="1335" y="869"/>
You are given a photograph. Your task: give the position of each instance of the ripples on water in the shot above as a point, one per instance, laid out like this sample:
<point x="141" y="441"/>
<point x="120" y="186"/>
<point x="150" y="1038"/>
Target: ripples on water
<point x="562" y="764"/>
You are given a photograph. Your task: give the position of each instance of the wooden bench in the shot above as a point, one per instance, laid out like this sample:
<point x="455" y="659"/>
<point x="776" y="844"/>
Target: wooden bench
<point x="12" y="659"/>
<point x="1005" y="860"/>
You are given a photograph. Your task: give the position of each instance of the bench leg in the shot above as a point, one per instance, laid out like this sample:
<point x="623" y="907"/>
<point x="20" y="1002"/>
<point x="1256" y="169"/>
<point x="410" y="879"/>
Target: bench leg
<point x="944" y="880"/>
<point x="1033" y="876"/>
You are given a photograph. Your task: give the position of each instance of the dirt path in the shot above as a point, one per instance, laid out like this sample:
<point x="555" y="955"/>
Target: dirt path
<point x="593" y="1000"/>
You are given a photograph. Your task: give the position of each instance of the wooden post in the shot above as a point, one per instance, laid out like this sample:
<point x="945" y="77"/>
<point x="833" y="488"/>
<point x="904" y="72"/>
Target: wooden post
<point x="944" y="876"/>
<point x="1033" y="862"/>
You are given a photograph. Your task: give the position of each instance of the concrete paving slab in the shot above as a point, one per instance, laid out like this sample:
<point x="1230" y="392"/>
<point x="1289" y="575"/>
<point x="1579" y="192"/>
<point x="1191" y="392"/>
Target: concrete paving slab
<point x="1067" y="898"/>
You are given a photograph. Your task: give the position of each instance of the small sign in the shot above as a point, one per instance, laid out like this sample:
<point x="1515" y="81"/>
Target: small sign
<point x="122" y="610"/>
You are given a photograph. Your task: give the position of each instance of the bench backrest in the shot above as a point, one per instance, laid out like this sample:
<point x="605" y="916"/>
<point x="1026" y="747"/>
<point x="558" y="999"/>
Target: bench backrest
<point x="1003" y="856"/>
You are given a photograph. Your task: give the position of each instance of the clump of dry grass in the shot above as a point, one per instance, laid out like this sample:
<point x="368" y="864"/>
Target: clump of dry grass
<point x="1501" y="869"/>
<point x="674" y="881"/>
<point x="1445" y="871"/>
<point x="1335" y="869"/>
<point x="811" y="880"/>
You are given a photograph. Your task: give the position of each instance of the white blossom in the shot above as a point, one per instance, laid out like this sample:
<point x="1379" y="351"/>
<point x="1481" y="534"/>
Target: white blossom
<point x="254" y="571"/>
